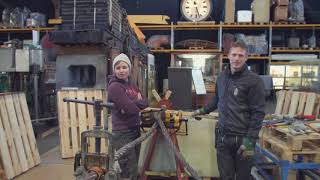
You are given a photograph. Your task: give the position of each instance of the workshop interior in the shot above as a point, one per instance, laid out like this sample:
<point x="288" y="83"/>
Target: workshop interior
<point x="56" y="60"/>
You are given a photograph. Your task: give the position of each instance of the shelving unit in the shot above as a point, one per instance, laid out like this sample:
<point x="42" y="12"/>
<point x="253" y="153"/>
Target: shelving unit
<point x="221" y="27"/>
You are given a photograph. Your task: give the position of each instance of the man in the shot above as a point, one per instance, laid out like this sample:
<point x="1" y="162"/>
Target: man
<point x="240" y="101"/>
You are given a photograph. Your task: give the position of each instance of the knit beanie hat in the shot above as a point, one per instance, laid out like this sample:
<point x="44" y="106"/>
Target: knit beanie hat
<point x="121" y="57"/>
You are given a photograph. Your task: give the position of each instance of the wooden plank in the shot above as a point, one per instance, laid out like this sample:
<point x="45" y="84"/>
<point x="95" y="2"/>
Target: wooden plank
<point x="29" y="128"/>
<point x="9" y="135"/>
<point x="74" y="123"/>
<point x="82" y="114"/>
<point x="280" y="101"/>
<point x="5" y="159"/>
<point x="311" y="99"/>
<point x="294" y="103"/>
<point x="23" y="130"/>
<point x="16" y="133"/>
<point x="64" y="125"/>
<point x="149" y="19"/>
<point x="287" y="101"/>
<point x="302" y="103"/>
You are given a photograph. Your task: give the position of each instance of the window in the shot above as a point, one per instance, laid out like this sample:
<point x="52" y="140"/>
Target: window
<point x="294" y="76"/>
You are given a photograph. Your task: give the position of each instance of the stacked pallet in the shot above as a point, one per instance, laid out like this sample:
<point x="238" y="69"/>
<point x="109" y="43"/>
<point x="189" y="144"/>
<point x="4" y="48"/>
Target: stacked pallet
<point x="287" y="147"/>
<point x="91" y="14"/>
<point x="18" y="148"/>
<point x="76" y="118"/>
<point x="277" y="138"/>
<point x="293" y="103"/>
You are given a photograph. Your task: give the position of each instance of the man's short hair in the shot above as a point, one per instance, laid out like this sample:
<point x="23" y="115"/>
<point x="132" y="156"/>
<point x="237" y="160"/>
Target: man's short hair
<point x="239" y="44"/>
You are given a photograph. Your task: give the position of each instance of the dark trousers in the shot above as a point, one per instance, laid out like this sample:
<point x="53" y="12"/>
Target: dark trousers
<point x="231" y="166"/>
<point x="129" y="161"/>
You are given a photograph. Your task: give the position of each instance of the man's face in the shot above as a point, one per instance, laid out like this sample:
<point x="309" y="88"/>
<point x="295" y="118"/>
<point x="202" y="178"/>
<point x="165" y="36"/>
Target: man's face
<point x="122" y="70"/>
<point x="238" y="58"/>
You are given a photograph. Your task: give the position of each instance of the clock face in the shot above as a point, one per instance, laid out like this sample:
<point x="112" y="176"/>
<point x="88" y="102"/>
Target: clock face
<point x="196" y="10"/>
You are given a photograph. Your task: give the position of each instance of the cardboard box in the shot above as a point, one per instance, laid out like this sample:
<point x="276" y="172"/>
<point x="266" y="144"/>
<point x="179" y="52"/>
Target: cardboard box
<point x="244" y="16"/>
<point x="281" y="13"/>
<point x="261" y="11"/>
<point x="229" y="11"/>
<point x="282" y="2"/>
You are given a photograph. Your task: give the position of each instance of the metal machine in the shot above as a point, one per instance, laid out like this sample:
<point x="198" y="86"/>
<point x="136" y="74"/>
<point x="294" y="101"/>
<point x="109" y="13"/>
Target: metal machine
<point x="171" y="119"/>
<point x="95" y="165"/>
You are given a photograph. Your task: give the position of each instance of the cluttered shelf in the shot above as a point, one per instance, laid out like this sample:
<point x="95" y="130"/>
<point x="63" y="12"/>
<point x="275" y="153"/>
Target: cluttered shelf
<point x="190" y="50"/>
<point x="213" y="25"/>
<point x="253" y="57"/>
<point x="27" y="29"/>
<point x="295" y="50"/>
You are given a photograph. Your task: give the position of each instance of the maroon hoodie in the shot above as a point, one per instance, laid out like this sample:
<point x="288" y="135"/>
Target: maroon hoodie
<point x="124" y="95"/>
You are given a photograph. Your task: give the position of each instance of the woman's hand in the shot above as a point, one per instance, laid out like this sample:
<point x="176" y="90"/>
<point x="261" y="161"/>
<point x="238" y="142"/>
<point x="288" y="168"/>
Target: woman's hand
<point x="139" y="96"/>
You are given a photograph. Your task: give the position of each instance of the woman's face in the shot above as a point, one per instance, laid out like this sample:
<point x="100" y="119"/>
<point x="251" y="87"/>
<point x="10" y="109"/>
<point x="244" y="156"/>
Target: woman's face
<point x="122" y="70"/>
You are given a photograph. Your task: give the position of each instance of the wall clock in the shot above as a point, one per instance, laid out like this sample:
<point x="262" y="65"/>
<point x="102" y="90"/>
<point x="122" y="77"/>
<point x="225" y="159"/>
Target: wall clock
<point x="196" y="10"/>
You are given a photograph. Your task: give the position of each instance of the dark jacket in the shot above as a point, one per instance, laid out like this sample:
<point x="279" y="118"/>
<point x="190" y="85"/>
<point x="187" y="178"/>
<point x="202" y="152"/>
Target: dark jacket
<point x="125" y="114"/>
<point x="240" y="101"/>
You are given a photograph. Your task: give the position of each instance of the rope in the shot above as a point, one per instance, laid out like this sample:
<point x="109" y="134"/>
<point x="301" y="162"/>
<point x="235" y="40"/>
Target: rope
<point x="120" y="152"/>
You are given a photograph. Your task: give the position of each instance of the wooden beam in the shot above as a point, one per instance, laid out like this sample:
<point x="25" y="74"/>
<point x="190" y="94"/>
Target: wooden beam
<point x="137" y="30"/>
<point x="150" y="19"/>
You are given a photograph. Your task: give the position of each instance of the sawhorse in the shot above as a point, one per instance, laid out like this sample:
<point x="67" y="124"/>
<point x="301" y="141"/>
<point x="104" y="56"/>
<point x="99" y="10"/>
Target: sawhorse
<point x="180" y="172"/>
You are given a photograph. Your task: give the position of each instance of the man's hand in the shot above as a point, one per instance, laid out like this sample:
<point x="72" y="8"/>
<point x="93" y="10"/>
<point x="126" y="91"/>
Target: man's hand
<point x="247" y="147"/>
<point x="196" y="113"/>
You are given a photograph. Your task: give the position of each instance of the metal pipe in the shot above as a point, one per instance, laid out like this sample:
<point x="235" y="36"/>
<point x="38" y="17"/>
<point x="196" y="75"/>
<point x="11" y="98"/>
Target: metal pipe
<point x="36" y="94"/>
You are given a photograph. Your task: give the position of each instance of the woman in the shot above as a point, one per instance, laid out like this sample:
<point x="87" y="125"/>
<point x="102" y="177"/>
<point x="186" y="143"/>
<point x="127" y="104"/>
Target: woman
<point x="125" y="115"/>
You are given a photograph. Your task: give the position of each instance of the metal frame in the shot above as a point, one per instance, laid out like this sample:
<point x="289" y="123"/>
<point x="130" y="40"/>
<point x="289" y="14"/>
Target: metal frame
<point x="285" y="165"/>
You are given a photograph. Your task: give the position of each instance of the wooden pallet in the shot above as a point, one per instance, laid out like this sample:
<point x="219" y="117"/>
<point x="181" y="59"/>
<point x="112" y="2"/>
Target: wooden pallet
<point x="18" y="147"/>
<point x="75" y="118"/>
<point x="2" y="171"/>
<point x="294" y="142"/>
<point x="292" y="103"/>
<point x="279" y="148"/>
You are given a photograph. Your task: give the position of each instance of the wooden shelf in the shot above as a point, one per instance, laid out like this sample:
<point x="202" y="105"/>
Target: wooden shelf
<point x="252" y="57"/>
<point x="244" y="25"/>
<point x="284" y="50"/>
<point x="16" y="30"/>
<point x="228" y="26"/>
<point x="298" y="26"/>
<point x="185" y="50"/>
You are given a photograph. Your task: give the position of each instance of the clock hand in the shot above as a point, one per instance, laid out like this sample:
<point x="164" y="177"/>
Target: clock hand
<point x="197" y="11"/>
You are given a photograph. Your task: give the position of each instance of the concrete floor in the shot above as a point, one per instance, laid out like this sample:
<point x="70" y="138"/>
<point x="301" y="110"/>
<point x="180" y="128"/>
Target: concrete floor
<point x="52" y="167"/>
